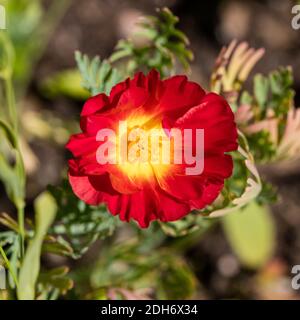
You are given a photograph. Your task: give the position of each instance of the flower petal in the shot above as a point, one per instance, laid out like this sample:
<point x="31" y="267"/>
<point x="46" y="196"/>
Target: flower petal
<point x="95" y="104"/>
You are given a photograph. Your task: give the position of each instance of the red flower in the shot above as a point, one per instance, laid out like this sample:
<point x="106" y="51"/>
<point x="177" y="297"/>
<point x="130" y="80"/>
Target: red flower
<point x="145" y="191"/>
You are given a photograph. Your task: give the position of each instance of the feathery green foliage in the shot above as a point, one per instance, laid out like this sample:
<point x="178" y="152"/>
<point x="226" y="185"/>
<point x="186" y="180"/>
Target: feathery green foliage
<point x="97" y="76"/>
<point x="164" y="46"/>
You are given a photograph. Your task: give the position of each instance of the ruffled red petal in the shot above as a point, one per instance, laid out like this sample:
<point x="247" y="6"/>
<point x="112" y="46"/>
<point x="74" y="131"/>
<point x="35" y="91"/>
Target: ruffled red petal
<point x="95" y="104"/>
<point x="167" y="195"/>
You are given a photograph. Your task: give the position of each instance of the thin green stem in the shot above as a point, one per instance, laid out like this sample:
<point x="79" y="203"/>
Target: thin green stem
<point x="11" y="103"/>
<point x="12" y="110"/>
<point x="9" y="266"/>
<point x="21" y="218"/>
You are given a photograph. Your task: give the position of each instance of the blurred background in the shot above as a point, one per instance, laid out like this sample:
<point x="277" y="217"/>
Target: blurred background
<point x="50" y="108"/>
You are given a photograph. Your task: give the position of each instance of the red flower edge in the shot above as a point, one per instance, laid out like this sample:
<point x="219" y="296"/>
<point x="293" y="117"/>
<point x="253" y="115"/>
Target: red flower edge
<point x="165" y="194"/>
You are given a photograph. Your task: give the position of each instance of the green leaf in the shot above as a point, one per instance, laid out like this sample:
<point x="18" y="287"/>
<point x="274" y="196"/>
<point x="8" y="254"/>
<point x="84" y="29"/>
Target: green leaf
<point x="78" y="225"/>
<point x="282" y="93"/>
<point x="9" y="133"/>
<point x="272" y="99"/>
<point x="261" y="89"/>
<point x="12" y="179"/>
<point x="12" y="175"/>
<point x="97" y="76"/>
<point x="189" y="224"/>
<point x="251" y="234"/>
<point x="10" y="241"/>
<point x="272" y="92"/>
<point x="246" y="98"/>
<point x="281" y="79"/>
<point x="164" y="48"/>
<point x="45" y="211"/>
<point x="55" y="280"/>
<point x="263" y="148"/>
<point x="9" y="266"/>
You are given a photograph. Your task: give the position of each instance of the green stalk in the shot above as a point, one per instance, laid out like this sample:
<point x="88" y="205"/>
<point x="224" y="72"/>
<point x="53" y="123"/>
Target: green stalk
<point x="21" y="218"/>
<point x="19" y="202"/>
<point x="11" y="103"/>
<point x="10" y="269"/>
